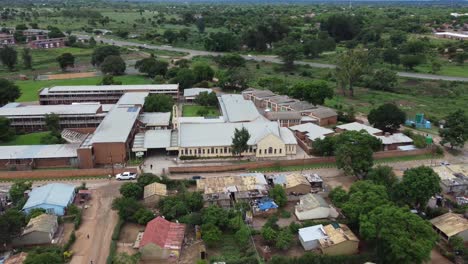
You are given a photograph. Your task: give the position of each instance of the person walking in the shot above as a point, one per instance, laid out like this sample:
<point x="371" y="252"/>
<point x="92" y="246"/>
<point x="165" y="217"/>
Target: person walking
<point x="151" y="166"/>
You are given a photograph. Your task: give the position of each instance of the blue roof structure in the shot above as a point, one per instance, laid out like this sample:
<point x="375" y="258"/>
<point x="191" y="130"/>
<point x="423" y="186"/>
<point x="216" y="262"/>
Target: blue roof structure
<point x="267" y="204"/>
<point x="58" y="194"/>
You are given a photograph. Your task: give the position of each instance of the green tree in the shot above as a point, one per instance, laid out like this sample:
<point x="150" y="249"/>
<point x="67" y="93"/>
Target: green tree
<point x="11" y="225"/>
<point x="131" y="190"/>
<point x="338" y="196"/>
<point x="418" y="186"/>
<point x="274" y="84"/>
<point x="158" y="103"/>
<point x="206" y="99"/>
<point x="143" y="216"/>
<point x="412" y="60"/>
<point x="231" y="61"/>
<point x="185" y="78"/>
<point x="354" y="159"/>
<point x="215" y="215"/>
<point x="170" y="35"/>
<point x="242" y="235"/>
<point x="235" y="79"/>
<point x="397" y="37"/>
<point x="268" y="234"/>
<point x="400" y="236"/>
<point x="350" y="67"/>
<point x="278" y="194"/>
<point x="364" y="196"/>
<point x="203" y="72"/>
<point x="240" y="141"/>
<point x="9" y="57"/>
<point x="146" y="179"/>
<point x="114" y="65"/>
<point x="201" y="25"/>
<point x="288" y="52"/>
<point x="41" y="258"/>
<point x="126" y="207"/>
<point x="381" y="79"/>
<point x="109" y="80"/>
<point x="27" y="58"/>
<point x="17" y="191"/>
<point x="6" y="131"/>
<point x="152" y="67"/>
<point x="52" y="122"/>
<point x="92" y="42"/>
<point x="211" y="234"/>
<point x="314" y="92"/>
<point x="455" y="131"/>
<point x="102" y="52"/>
<point x="391" y="56"/>
<point x="35" y="212"/>
<point x="55" y="32"/>
<point x="124" y="258"/>
<point x="382" y="175"/>
<point x="436" y="65"/>
<point x="221" y="41"/>
<point x="66" y="60"/>
<point x="387" y="117"/>
<point x="342" y="26"/>
<point x="284" y="239"/>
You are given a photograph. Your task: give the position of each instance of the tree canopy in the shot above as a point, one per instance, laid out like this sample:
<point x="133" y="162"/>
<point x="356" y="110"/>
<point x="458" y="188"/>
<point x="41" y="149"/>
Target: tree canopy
<point x="239" y="141"/>
<point x="418" y="186"/>
<point x="158" y="103"/>
<point x="102" y="52"/>
<point x="114" y="65"/>
<point x="9" y="57"/>
<point x="350" y="66"/>
<point x="9" y="91"/>
<point x="314" y="92"/>
<point x="206" y="99"/>
<point x="6" y="131"/>
<point x="131" y="190"/>
<point x="152" y="67"/>
<point x="278" y="194"/>
<point x="455" y="131"/>
<point x="387" y="117"/>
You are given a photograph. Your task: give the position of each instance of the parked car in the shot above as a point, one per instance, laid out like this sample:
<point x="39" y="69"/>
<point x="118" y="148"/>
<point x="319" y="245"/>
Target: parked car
<point x="126" y="176"/>
<point x="444" y="163"/>
<point x="196" y="177"/>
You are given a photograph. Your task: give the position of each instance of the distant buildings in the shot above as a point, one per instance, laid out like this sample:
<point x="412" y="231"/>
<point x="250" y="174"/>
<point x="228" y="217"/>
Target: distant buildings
<point x="332" y="239"/>
<point x="40" y="230"/>
<point x="52" y="197"/>
<point x="452" y="35"/>
<point x="449" y="225"/>
<point x="162" y="240"/>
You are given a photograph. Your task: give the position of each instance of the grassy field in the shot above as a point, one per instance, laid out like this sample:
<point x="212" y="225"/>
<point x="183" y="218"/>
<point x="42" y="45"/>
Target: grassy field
<point x="30" y="88"/>
<point x="193" y="110"/>
<point x="27" y="139"/>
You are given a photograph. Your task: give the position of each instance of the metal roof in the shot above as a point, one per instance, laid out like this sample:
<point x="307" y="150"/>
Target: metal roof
<point x="312" y="233"/>
<point x="117" y="125"/>
<point x="311" y="201"/>
<point x="164" y="234"/>
<point x="192" y="92"/>
<point x="200" y="119"/>
<point x="450" y="224"/>
<point x="157" y="139"/>
<point x="42" y="223"/>
<point x="237" y="109"/>
<point x="38" y="151"/>
<point x="287" y="136"/>
<point x="58" y="194"/>
<point x="259" y="93"/>
<point x="103" y="88"/>
<point x="41" y="110"/>
<point x="283" y="115"/>
<point x="337" y="233"/>
<point x="133" y="98"/>
<point x="312" y="131"/>
<point x="395" y="139"/>
<point x="155" y="119"/>
<point x="220" y="134"/>
<point x="355" y="126"/>
<point x="322" y="112"/>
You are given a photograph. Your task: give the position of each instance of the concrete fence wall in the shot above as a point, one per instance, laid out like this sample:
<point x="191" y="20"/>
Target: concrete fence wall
<point x="283" y="163"/>
<point x="60" y="173"/>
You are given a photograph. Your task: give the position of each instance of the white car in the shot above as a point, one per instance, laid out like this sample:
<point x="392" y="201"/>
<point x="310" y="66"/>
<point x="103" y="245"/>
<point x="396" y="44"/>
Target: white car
<point x="126" y="176"/>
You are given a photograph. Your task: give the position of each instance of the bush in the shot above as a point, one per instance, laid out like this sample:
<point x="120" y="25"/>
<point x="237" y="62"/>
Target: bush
<point x="116" y="233"/>
<point x="285" y="214"/>
<point x="77" y="221"/>
<point x="112" y="251"/>
<point x="70" y="242"/>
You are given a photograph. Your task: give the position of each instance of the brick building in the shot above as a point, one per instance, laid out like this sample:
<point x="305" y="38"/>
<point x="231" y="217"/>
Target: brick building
<point x="47" y="43"/>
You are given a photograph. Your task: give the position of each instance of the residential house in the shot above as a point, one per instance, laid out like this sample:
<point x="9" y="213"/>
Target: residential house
<point x="355" y="126"/>
<point x="313" y="206"/>
<point x="340" y="240"/>
<point x="40" y="230"/>
<point x="153" y="192"/>
<point x="392" y="142"/>
<point x="450" y="225"/>
<point x="162" y="240"/>
<point x="453" y="179"/>
<point x="293" y="183"/>
<point x="7" y="39"/>
<point x="310" y="236"/>
<point x="52" y="197"/>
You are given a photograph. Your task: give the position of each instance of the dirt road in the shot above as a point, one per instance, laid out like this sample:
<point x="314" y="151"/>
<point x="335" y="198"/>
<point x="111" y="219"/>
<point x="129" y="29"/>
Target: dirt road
<point x="98" y="222"/>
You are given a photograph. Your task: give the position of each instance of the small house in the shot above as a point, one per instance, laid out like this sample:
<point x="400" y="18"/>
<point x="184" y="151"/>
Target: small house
<point x="340" y="240"/>
<point x="310" y="236"/>
<point x="449" y="225"/>
<point x="355" y="126"/>
<point x="53" y="198"/>
<point x="294" y="183"/>
<point x="392" y="142"/>
<point x="162" y="240"/>
<point x="313" y="206"/>
<point x="154" y="192"/>
<point x="40" y="230"/>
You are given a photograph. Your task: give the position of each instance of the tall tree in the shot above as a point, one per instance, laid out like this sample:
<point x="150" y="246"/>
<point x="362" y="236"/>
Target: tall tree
<point x="288" y="52"/>
<point x="455" y="131"/>
<point x="239" y="141"/>
<point x="342" y="26"/>
<point x="100" y="53"/>
<point x="9" y="57"/>
<point x="114" y="65"/>
<point x="279" y="195"/>
<point x="185" y="78"/>
<point x="314" y="92"/>
<point x="382" y="175"/>
<point x="27" y="58"/>
<point x="131" y="190"/>
<point x="235" y="79"/>
<point x="9" y="91"/>
<point x="66" y="60"/>
<point x="158" y="103"/>
<point x="203" y="72"/>
<point x="231" y="61"/>
<point x="201" y="25"/>
<point x="400" y="236"/>
<point x="354" y="159"/>
<point x="6" y="131"/>
<point x="387" y="117"/>
<point x="207" y="99"/>
<point x="152" y="67"/>
<point x="349" y="69"/>
<point x="11" y="225"/>
<point x="17" y="190"/>
<point x="52" y="122"/>
<point x="418" y="186"/>
<point x="381" y="79"/>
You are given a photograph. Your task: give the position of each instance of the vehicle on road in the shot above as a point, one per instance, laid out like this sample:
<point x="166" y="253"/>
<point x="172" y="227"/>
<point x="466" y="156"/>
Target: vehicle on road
<point x="126" y="176"/>
<point x="197" y="177"/>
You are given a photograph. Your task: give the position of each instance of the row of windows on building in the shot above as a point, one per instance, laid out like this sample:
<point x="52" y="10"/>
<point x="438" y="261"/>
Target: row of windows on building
<point x="227" y="150"/>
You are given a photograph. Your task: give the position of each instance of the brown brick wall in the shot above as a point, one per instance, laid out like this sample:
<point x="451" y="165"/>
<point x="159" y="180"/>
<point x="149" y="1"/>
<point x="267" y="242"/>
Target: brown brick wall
<point x="263" y="164"/>
<point x="52" y="163"/>
<point x="38" y="174"/>
<point x="85" y="157"/>
<point x="84" y="130"/>
<point x="104" y="151"/>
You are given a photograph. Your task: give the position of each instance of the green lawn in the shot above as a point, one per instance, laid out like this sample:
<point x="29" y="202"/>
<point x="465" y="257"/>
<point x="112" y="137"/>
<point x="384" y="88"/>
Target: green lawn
<point x="27" y="139"/>
<point x="192" y="110"/>
<point x="30" y="88"/>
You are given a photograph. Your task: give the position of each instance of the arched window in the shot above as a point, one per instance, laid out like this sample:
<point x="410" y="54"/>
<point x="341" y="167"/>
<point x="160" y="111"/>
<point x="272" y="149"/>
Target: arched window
<point x="270" y="150"/>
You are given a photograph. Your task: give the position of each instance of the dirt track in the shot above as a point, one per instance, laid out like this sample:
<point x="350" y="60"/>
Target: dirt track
<point x="98" y="222"/>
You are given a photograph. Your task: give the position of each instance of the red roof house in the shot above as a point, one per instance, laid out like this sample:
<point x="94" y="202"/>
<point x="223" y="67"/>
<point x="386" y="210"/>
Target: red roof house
<point x="162" y="239"/>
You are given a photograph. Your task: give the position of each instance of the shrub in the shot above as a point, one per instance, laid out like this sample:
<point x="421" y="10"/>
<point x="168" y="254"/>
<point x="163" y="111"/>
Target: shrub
<point x="70" y="242"/>
<point x="116" y="233"/>
<point x="77" y="221"/>
<point x="285" y="214"/>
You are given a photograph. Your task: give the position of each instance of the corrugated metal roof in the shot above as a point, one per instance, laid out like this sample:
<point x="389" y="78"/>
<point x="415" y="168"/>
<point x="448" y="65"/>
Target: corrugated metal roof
<point x="355" y="126"/>
<point x="155" y="119"/>
<point x="103" y="88"/>
<point x="311" y="233"/>
<point x="311" y="201"/>
<point x="157" y="139"/>
<point x="395" y="139"/>
<point x="450" y="224"/>
<point x="133" y="98"/>
<point x="192" y="92"/>
<point x="41" y="110"/>
<point x="337" y="234"/>
<point x="164" y="234"/>
<point x="287" y="136"/>
<point x="117" y="125"/>
<point x="38" y="151"/>
<point x="236" y="109"/>
<point x="313" y="131"/>
<point x="58" y="194"/>
<point x="283" y="115"/>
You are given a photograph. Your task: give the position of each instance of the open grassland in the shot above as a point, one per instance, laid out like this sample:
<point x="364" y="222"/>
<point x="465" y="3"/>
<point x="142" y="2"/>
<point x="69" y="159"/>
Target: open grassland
<point x="30" y="88"/>
<point x="26" y="139"/>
